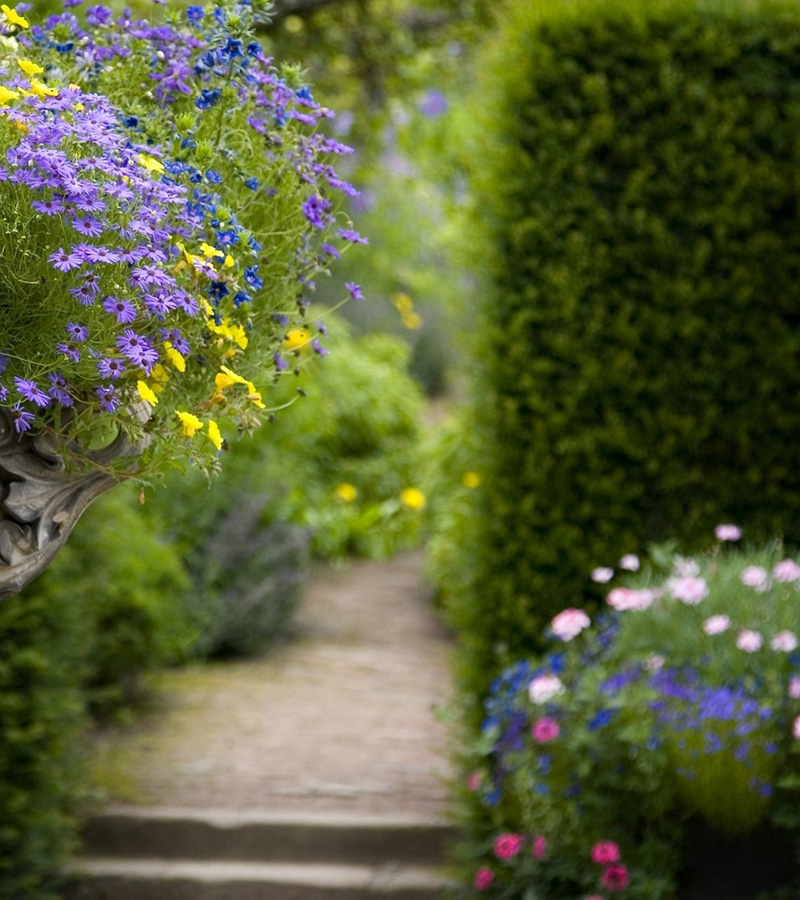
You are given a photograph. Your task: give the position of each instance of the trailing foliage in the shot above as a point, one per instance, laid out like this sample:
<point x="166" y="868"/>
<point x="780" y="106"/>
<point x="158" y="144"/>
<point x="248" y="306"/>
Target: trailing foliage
<point x="640" y="350"/>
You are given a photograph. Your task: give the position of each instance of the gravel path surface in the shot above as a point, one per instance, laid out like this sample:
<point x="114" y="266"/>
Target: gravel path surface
<point x="342" y="718"/>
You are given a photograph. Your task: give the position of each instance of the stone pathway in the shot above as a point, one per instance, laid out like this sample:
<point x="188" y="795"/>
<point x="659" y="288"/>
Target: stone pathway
<point x="340" y="719"/>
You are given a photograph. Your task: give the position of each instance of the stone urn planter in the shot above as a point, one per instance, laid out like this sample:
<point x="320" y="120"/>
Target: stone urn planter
<point x="41" y="499"/>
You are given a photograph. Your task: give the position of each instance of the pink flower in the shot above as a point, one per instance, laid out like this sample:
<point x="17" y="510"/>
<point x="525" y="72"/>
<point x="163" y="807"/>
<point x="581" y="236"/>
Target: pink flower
<point x="595" y="897"/>
<point x="602" y="575"/>
<point x="727" y="532"/>
<point x="755" y="577"/>
<point x="544" y="688"/>
<point x="630" y="562"/>
<point x="569" y="623"/>
<point x="689" y="589"/>
<point x="483" y="878"/>
<point x="474" y="781"/>
<point x="784" y="641"/>
<point x="794" y="687"/>
<point x="796" y="728"/>
<point x="654" y="662"/>
<point x="624" y="599"/>
<point x="716" y="624"/>
<point x="605" y="852"/>
<point x="786" y="570"/>
<point x="683" y="567"/>
<point x="545" y="729"/>
<point x="615" y="878"/>
<point x="749" y="641"/>
<point x="507" y="845"/>
<point x="539" y="847"/>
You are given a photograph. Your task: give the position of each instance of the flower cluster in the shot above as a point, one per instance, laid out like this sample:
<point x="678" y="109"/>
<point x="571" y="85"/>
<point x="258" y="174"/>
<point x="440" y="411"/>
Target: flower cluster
<point x="681" y="700"/>
<point x="168" y="198"/>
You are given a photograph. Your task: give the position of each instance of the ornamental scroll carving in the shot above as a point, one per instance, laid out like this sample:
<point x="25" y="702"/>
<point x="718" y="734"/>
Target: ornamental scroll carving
<point x="41" y="499"/>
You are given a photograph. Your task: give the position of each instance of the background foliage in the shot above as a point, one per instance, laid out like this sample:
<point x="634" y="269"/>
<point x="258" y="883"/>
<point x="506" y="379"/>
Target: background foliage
<point x="640" y="340"/>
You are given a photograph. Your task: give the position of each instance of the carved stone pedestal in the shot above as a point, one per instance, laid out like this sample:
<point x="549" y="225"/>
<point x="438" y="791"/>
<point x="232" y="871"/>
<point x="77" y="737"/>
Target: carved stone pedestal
<point x="41" y="500"/>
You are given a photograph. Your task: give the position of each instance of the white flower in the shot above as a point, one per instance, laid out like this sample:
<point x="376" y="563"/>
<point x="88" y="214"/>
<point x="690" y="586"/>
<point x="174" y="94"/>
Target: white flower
<point x="654" y="662"/>
<point x="786" y="570"/>
<point x="602" y="575"/>
<point x="685" y="568"/>
<point x="544" y="688"/>
<point x="716" y="624"/>
<point x="727" y="532"/>
<point x="784" y="641"/>
<point x="630" y="562"/>
<point x="569" y="623"/>
<point x="755" y="577"/>
<point x="623" y="599"/>
<point x="749" y="641"/>
<point x="689" y="589"/>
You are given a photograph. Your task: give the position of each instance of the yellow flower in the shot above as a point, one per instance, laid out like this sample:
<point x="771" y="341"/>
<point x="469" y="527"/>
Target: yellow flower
<point x="29" y="68"/>
<point x="214" y="434"/>
<point x="413" y="498"/>
<point x="226" y="377"/>
<point x="230" y="262"/>
<point x="296" y="338"/>
<point x="160" y="376"/>
<point x="7" y="94"/>
<point x="402" y="302"/>
<point x="411" y="320"/>
<point x="150" y="163"/>
<point x="79" y="107"/>
<point x="13" y="17"/>
<point x="146" y="392"/>
<point x="254" y="396"/>
<point x="471" y="479"/>
<point x="175" y="357"/>
<point x="40" y="89"/>
<point x="211" y="252"/>
<point x="190" y="423"/>
<point x="236" y="333"/>
<point x="346" y="492"/>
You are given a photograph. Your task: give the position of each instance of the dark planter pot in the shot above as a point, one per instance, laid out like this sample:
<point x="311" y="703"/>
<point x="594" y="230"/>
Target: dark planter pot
<point x="741" y="868"/>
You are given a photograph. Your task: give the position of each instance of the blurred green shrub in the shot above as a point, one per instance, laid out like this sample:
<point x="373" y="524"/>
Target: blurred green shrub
<point x="41" y="720"/>
<point x="640" y="181"/>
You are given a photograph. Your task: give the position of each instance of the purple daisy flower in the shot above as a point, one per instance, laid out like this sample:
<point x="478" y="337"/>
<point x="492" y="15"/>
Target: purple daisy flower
<point x="137" y="349"/>
<point x="64" y="260"/>
<point x="318" y="348"/>
<point x="347" y="234"/>
<point x="354" y="290"/>
<point x="87" y="225"/>
<point x="122" y="309"/>
<point x="77" y="332"/>
<point x="108" y="399"/>
<point x="51" y="207"/>
<point x="70" y="351"/>
<point x="102" y="255"/>
<point x="85" y="293"/>
<point x="315" y="210"/>
<point x="31" y="391"/>
<point x="110" y="368"/>
<point x="22" y="418"/>
<point x="57" y="389"/>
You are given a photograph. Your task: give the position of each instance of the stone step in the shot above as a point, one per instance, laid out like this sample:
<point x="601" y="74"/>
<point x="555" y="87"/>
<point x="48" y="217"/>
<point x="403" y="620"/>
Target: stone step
<point x="159" y="879"/>
<point x="223" y="835"/>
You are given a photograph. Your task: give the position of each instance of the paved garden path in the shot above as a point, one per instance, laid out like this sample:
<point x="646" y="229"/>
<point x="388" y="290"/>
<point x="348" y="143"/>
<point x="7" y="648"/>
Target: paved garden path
<point x="339" y="719"/>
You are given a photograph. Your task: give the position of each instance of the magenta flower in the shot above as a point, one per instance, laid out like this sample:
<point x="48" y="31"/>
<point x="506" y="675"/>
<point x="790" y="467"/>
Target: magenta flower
<point x="545" y="730"/>
<point x="605" y="852"/>
<point x="795" y="726"/>
<point x="569" y="623"/>
<point x="507" y="845"/>
<point x="539" y="847"/>
<point x="483" y="878"/>
<point x="727" y="532"/>
<point x="615" y="878"/>
<point x="473" y="781"/>
<point x="794" y="687"/>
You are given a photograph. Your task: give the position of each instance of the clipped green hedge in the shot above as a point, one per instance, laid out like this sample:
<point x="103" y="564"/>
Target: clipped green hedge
<point x="641" y="377"/>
